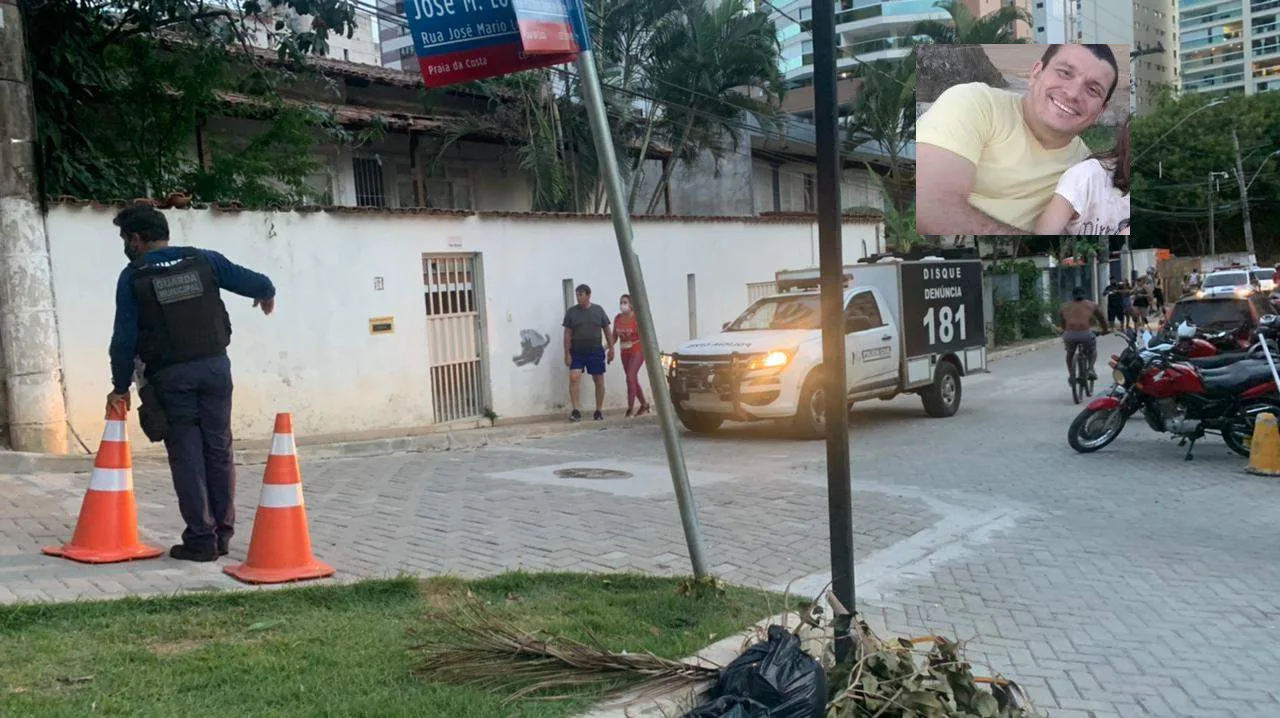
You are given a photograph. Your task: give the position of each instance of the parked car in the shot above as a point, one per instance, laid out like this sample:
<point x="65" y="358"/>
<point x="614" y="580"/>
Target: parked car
<point x="1264" y="277"/>
<point x="1216" y="313"/>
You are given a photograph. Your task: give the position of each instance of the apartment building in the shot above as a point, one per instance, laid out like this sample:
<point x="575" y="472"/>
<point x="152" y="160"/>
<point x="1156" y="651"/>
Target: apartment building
<point x="1155" y="27"/>
<point x="1229" y="45"/>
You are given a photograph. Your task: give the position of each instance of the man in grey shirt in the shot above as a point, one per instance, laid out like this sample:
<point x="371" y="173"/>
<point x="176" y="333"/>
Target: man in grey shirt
<point x="586" y="334"/>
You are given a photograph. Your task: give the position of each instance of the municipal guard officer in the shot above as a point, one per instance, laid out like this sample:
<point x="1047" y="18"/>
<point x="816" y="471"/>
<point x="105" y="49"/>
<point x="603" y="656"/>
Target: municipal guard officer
<point x="170" y="315"/>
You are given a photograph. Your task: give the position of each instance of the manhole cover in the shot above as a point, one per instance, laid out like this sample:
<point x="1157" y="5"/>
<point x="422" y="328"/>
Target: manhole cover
<point x="593" y="474"/>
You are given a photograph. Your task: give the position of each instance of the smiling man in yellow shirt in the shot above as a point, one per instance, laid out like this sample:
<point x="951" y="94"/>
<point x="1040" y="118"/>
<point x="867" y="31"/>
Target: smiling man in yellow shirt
<point x="988" y="161"/>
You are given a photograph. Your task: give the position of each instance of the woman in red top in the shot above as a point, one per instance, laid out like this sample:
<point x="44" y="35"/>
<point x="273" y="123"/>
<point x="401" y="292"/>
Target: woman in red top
<point x="627" y="332"/>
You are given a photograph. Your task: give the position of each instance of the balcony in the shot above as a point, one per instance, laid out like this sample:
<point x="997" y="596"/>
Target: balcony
<point x="869" y="47"/>
<point x="905" y="11"/>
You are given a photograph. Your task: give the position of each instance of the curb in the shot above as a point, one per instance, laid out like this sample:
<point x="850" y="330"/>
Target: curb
<point x="15" y="462"/>
<point x="1024" y="349"/>
<point x="438" y="441"/>
<point x="680" y="701"/>
<point x="22" y="462"/>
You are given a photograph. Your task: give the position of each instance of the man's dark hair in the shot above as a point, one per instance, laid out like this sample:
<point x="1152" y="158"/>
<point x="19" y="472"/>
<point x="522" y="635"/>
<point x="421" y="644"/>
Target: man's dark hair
<point x="143" y="220"/>
<point x="583" y="289"/>
<point x="1102" y="52"/>
<point x="1077" y="293"/>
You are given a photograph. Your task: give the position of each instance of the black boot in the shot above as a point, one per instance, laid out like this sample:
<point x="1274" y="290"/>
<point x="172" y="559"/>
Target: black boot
<point x="183" y="552"/>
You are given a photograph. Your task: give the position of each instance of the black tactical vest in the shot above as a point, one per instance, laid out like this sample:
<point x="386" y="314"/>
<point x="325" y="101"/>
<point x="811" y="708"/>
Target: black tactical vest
<point x="181" y="316"/>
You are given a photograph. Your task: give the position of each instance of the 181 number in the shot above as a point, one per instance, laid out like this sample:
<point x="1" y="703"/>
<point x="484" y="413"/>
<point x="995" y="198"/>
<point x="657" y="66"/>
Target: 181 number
<point x="942" y="324"/>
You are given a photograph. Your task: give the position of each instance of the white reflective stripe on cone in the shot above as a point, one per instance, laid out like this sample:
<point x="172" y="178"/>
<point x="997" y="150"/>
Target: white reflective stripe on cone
<point x="111" y="480"/>
<point x="281" y="496"/>
<point x="282" y="445"/>
<point x="115" y="431"/>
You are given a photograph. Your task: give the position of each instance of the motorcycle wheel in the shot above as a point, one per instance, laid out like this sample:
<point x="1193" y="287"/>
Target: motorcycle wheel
<point x="1093" y="429"/>
<point x="1238" y="435"/>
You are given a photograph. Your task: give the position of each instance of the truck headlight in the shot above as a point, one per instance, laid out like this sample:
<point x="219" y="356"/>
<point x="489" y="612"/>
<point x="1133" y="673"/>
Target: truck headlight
<point x="772" y="360"/>
<point x="775" y="359"/>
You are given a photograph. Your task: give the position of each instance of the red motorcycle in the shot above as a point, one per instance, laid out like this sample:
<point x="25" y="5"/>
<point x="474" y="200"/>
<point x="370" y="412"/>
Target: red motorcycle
<point x="1178" y="398"/>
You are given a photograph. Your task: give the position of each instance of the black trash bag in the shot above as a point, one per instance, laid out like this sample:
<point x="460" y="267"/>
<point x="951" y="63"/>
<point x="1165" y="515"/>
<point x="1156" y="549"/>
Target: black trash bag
<point x="772" y="679"/>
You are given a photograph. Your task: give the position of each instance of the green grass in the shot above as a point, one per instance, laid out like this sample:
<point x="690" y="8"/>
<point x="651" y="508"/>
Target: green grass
<point x="1099" y="138"/>
<point x="327" y="650"/>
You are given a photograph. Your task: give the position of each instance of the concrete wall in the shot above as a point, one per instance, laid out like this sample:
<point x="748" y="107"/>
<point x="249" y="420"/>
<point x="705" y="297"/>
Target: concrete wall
<point x="315" y="355"/>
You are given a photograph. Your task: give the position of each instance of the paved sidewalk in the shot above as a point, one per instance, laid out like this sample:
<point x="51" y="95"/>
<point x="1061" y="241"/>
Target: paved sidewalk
<point x="1122" y="583"/>
<point x="471" y="512"/>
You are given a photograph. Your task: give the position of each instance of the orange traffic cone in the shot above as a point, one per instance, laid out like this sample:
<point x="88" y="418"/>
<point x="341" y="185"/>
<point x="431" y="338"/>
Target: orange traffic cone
<point x="280" y="547"/>
<point x="107" y="530"/>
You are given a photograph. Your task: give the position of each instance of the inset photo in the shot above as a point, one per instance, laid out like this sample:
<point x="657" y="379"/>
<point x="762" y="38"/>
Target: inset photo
<point x="1022" y="139"/>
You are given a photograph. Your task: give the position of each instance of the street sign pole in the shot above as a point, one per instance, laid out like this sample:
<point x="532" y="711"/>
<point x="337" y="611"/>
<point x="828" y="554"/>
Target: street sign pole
<point x="831" y="261"/>
<point x="618" y="209"/>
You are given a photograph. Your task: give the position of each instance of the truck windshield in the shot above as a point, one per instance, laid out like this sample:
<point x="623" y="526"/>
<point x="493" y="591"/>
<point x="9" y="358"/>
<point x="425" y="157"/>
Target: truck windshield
<point x="798" y="312"/>
<point x="1226" y="279"/>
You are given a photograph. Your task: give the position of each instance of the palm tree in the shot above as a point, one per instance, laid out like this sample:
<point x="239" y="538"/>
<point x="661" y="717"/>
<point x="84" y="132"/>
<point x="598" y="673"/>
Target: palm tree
<point x="705" y="62"/>
<point x="995" y="28"/>
<point x="884" y="115"/>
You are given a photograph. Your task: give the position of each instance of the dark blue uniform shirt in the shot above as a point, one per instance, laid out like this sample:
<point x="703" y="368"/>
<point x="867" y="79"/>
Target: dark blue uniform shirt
<point x="124" y="341"/>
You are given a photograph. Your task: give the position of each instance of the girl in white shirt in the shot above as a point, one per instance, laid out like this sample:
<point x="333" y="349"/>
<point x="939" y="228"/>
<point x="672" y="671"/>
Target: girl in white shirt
<point x="1092" y="197"/>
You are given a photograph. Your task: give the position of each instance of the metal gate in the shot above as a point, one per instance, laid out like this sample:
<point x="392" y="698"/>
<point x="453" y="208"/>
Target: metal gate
<point x="454" y="335"/>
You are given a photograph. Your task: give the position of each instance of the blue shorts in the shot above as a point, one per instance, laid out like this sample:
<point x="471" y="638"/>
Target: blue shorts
<point x="591" y="361"/>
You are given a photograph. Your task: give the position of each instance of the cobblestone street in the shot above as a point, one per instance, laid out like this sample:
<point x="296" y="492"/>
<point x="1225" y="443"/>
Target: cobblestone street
<point x="1126" y="582"/>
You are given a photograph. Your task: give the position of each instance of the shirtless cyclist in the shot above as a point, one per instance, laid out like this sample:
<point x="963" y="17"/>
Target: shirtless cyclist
<point x="1075" y="320"/>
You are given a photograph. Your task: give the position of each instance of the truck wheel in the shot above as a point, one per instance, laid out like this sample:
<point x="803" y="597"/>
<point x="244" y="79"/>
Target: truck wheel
<point x="942" y="399"/>
<point x="810" y="421"/>
<point x="699" y="423"/>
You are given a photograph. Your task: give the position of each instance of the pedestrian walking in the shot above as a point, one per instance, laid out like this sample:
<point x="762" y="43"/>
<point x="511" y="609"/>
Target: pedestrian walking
<point x="170" y="316"/>
<point x="626" y="330"/>
<point x="587" y="332"/>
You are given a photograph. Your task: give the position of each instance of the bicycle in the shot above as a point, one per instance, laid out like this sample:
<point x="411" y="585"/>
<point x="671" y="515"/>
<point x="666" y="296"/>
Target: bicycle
<point x="1082" y="382"/>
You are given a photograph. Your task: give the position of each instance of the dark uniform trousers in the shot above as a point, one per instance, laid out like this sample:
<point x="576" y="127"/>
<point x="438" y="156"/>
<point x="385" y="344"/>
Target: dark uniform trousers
<point x="196" y="395"/>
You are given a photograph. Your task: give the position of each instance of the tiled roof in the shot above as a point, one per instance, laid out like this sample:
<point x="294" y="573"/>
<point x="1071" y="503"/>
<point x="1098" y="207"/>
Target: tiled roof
<point x="180" y="202"/>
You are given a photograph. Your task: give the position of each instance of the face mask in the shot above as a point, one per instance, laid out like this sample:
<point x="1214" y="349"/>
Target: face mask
<point x="131" y="253"/>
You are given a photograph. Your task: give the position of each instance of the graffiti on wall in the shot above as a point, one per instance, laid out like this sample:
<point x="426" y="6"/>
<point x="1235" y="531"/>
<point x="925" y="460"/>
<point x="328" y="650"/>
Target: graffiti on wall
<point x="532" y="346"/>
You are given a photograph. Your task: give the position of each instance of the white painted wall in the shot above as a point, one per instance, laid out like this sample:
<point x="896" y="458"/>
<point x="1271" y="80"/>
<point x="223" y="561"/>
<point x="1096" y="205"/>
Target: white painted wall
<point x="315" y="356"/>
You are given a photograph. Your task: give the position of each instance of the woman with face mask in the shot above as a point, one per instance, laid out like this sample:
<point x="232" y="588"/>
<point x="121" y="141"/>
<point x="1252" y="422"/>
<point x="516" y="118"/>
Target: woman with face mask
<point x="627" y="332"/>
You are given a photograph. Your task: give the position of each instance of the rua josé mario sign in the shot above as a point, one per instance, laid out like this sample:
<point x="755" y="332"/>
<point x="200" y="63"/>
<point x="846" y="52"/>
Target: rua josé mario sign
<point x="461" y="40"/>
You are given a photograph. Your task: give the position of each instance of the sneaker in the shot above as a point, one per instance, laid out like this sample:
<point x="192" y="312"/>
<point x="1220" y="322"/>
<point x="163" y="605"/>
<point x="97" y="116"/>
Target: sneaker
<point x="644" y="409"/>
<point x="630" y="413"/>
<point x="598" y="416"/>
<point x="183" y="552"/>
<point x="575" y="416"/>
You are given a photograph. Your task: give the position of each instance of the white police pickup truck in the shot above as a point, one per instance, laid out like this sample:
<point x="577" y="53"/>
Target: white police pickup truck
<point x="911" y="327"/>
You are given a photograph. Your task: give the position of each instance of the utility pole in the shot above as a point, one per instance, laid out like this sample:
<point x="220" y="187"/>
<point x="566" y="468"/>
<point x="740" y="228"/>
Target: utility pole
<point x="831" y="263"/>
<point x="1213" y="200"/>
<point x="1244" y="195"/>
<point x="36" y="410"/>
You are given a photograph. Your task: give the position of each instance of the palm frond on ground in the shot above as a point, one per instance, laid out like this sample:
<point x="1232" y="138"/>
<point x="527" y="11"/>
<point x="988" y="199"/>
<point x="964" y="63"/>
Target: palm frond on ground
<point x="481" y="649"/>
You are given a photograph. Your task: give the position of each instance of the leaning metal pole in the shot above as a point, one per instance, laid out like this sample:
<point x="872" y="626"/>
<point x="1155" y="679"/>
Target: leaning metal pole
<point x="618" y="209"/>
<point x="830" y="261"/>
